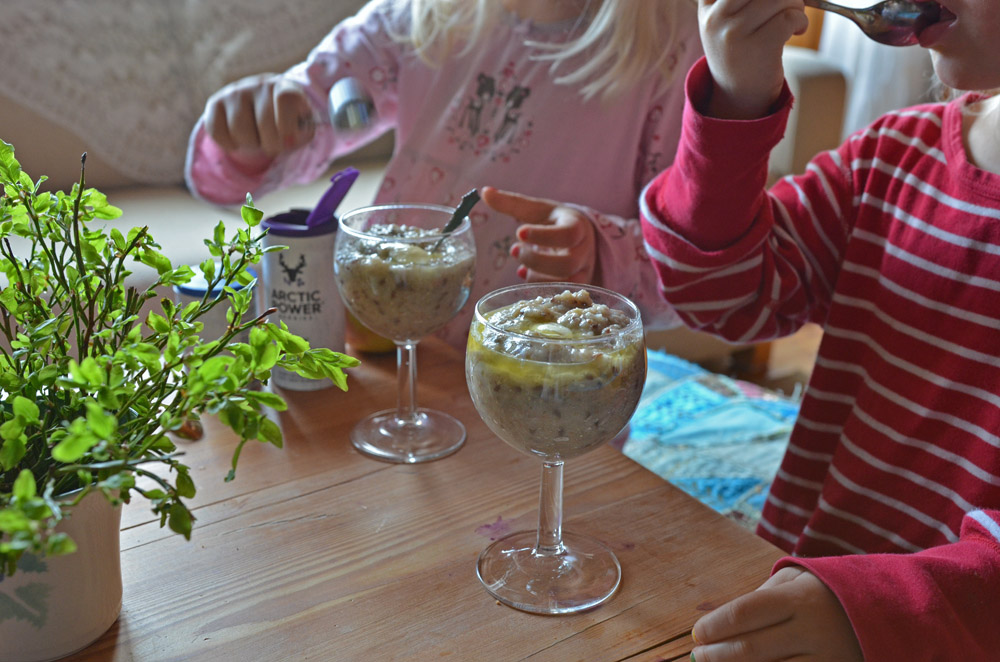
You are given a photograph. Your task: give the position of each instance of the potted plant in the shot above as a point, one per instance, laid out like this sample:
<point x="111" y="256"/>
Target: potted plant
<point x="96" y="375"/>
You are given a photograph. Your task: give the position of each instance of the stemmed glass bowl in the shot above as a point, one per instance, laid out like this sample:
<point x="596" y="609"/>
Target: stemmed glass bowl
<point x="404" y="279"/>
<point x="554" y="369"/>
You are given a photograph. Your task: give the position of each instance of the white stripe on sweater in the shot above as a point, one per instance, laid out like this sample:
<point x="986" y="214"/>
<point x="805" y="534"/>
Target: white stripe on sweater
<point x="790" y="507"/>
<point x="912" y="476"/>
<point x="920" y="225"/>
<point x="990" y="360"/>
<point x="879" y="531"/>
<point x="988" y="523"/>
<point x="933" y="449"/>
<point x="780" y="533"/>
<point x="801" y="482"/>
<point x="933" y="192"/>
<point x="790" y="227"/>
<point x="745" y="265"/>
<point x="892" y="502"/>
<point x="843" y="544"/>
<point x="929" y="266"/>
<point x="912" y="368"/>
<point x="977" y="431"/>
<point x="917" y="298"/>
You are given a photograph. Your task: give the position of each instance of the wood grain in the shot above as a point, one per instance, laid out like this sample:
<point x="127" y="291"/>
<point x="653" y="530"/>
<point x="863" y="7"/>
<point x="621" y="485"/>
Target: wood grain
<point x="316" y="552"/>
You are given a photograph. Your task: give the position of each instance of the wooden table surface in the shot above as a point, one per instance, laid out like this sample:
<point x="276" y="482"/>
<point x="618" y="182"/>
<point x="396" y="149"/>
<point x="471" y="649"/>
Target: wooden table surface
<point x="316" y="552"/>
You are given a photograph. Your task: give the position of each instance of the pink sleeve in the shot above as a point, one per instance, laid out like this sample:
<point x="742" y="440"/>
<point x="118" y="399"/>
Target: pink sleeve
<point x="360" y="46"/>
<point x="711" y="227"/>
<point x="212" y="176"/>
<point x="623" y="266"/>
<point x="939" y="605"/>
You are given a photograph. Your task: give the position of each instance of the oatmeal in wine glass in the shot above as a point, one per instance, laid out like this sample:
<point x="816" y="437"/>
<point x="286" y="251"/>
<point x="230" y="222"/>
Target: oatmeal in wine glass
<point x="404" y="278"/>
<point x="554" y="371"/>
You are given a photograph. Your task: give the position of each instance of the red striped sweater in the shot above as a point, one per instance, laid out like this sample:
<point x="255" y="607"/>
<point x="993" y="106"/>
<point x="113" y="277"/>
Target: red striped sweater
<point x="892" y="243"/>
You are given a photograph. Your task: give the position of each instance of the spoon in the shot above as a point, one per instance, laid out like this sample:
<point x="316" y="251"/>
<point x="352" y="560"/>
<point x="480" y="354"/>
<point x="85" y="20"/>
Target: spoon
<point x="890" y="22"/>
<point x="469" y="201"/>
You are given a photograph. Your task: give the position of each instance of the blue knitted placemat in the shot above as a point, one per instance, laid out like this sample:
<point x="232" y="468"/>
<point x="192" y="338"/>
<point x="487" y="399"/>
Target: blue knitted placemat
<point x="718" y="439"/>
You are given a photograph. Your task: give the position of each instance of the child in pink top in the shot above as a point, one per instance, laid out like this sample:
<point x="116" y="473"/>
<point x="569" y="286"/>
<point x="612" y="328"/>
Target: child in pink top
<point x="569" y="101"/>
<point x="888" y="497"/>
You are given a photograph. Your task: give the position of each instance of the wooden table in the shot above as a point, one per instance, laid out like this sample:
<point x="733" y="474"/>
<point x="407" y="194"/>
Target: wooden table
<point x="316" y="552"/>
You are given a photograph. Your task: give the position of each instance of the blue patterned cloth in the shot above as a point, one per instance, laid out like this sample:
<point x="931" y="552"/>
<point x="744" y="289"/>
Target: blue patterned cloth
<point x="718" y="439"/>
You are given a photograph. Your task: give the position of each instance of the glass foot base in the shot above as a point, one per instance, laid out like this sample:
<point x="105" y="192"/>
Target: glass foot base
<point x="583" y="575"/>
<point x="430" y="436"/>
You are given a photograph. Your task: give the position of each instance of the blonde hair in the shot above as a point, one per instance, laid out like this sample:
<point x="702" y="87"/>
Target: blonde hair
<point x="624" y="40"/>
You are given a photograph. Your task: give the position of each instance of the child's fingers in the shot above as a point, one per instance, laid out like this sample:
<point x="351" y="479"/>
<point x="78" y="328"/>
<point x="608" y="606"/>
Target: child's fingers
<point x="551" y="236"/>
<point x="767" y="645"/>
<point x="522" y="207"/>
<point x="267" y="130"/>
<point x="745" y="614"/>
<point x="217" y="126"/>
<point x="532" y="276"/>
<point x="241" y="118"/>
<point x="293" y="116"/>
<point x="554" y="264"/>
<point x="567" y="228"/>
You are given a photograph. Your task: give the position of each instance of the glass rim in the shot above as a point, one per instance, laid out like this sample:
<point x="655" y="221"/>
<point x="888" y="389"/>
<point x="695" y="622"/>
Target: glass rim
<point x="466" y="223"/>
<point x="634" y="324"/>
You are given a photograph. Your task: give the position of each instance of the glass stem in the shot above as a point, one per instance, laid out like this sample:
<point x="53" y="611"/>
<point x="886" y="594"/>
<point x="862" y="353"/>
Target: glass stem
<point x="406" y="373"/>
<point x="550" y="510"/>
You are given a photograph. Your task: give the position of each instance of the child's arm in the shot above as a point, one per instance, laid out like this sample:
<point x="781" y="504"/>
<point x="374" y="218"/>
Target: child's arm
<point x="268" y="131"/>
<point x="733" y="258"/>
<point x="937" y="605"/>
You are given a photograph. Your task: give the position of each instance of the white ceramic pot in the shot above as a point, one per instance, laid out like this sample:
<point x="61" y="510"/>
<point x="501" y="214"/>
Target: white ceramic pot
<point x="54" y="606"/>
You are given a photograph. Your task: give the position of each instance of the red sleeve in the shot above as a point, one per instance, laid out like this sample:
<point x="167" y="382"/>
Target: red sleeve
<point x="939" y="605"/>
<point x="732" y="257"/>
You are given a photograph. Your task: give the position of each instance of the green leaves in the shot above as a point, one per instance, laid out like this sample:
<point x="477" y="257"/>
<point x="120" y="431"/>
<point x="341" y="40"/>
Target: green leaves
<point x="10" y="169"/>
<point x="95" y="376"/>
<point x="24" y="486"/>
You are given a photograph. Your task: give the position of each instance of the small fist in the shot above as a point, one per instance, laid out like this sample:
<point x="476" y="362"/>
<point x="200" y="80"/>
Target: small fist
<point x="260" y="116"/>
<point x="792" y="616"/>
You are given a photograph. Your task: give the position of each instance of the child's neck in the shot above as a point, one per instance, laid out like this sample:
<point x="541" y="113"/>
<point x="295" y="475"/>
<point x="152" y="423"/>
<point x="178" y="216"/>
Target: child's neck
<point x="546" y="11"/>
<point x="981" y="134"/>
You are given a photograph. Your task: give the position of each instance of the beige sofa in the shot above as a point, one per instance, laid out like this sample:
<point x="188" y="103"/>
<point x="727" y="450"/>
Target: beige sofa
<point x="179" y="222"/>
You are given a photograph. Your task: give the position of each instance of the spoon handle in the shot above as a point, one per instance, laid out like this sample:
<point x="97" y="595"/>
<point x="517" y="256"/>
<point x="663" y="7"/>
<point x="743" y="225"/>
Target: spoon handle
<point x="830" y="7"/>
<point x="469" y="201"/>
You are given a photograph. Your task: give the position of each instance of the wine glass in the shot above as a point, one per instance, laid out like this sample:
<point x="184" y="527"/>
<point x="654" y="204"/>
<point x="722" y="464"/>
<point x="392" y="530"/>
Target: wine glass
<point x="403" y="278"/>
<point x="554" y="369"/>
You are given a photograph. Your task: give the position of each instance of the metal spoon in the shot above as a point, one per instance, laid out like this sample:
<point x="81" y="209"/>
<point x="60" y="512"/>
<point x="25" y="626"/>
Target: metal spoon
<point x="890" y="22"/>
<point x="469" y="201"/>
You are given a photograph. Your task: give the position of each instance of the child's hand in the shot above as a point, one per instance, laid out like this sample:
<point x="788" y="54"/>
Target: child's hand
<point x="792" y="616"/>
<point x="258" y="117"/>
<point x="555" y="242"/>
<point x="743" y="40"/>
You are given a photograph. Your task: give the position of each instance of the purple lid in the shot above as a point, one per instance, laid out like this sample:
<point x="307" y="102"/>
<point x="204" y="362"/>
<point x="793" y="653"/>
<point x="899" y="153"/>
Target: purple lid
<point x="292" y="223"/>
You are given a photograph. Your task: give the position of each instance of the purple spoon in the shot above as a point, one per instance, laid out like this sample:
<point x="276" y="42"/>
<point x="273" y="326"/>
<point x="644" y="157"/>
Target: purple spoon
<point x="340" y="184"/>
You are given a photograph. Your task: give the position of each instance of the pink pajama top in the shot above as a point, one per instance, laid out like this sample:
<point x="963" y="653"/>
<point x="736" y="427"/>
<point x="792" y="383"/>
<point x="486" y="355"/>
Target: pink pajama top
<point x="494" y="117"/>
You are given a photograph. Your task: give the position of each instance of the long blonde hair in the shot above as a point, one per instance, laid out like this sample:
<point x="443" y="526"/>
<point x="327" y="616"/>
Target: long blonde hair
<point x="623" y="39"/>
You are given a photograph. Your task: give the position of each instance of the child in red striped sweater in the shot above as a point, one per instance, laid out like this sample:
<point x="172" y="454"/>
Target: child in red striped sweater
<point x="888" y="498"/>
